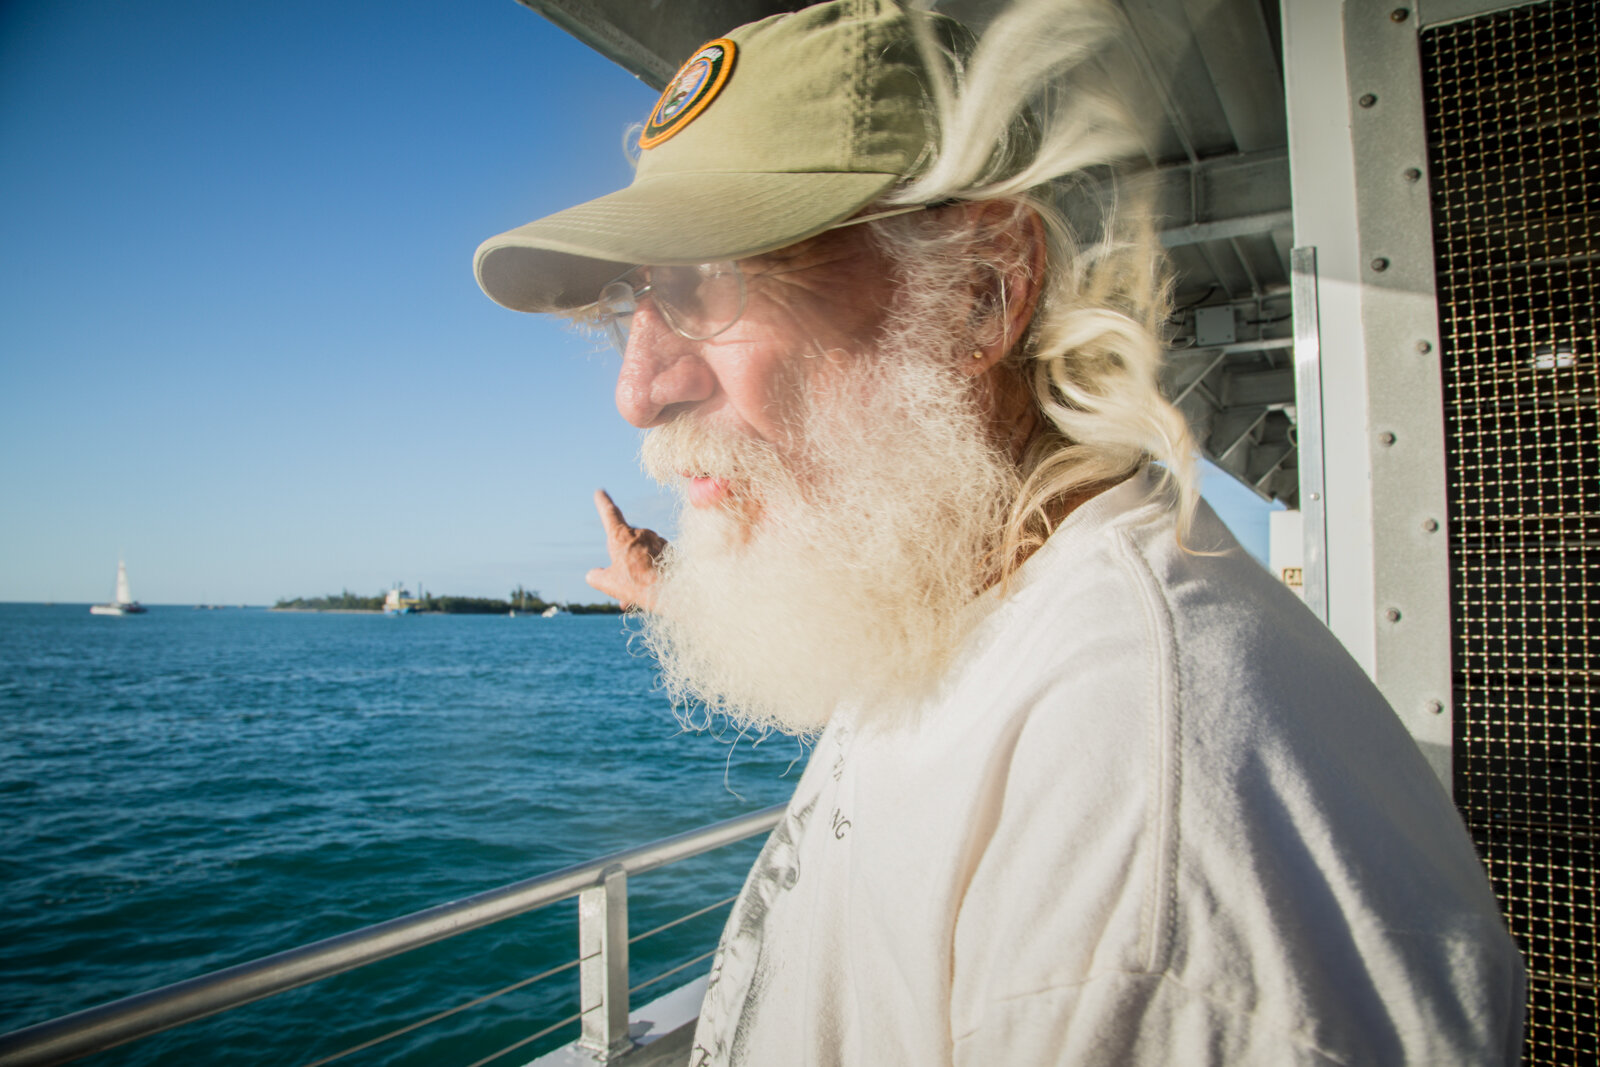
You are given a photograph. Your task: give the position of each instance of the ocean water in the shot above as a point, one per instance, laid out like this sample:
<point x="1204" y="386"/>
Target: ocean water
<point x="186" y="790"/>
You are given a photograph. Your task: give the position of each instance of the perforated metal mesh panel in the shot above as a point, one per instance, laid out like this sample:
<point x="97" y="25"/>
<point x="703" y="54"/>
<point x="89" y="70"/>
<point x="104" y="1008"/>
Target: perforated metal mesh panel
<point x="1513" y="104"/>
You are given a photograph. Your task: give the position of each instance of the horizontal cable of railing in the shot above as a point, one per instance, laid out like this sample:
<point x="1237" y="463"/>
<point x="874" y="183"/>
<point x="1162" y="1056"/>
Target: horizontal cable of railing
<point x="525" y="982"/>
<point x="69" y="1037"/>
<point x="552" y="1028"/>
<point x="664" y="975"/>
<point x="724" y="902"/>
<point x="436" y="1016"/>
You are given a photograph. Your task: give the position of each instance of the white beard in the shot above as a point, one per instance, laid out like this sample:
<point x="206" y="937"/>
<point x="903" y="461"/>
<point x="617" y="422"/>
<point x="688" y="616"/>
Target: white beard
<point x="845" y="576"/>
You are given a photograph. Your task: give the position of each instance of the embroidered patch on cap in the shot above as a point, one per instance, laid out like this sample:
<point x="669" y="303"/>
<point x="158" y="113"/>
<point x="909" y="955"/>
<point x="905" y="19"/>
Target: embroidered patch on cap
<point x="694" y="86"/>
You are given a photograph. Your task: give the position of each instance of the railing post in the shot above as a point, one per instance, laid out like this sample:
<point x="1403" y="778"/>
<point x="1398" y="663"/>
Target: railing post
<point x="603" y="972"/>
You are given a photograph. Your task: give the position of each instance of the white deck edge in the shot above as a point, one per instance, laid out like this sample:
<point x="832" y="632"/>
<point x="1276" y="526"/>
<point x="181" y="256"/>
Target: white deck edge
<point x="646" y="1024"/>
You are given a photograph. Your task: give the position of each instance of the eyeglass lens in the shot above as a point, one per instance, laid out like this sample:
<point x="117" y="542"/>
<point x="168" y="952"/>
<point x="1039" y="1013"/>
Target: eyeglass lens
<point x="698" y="302"/>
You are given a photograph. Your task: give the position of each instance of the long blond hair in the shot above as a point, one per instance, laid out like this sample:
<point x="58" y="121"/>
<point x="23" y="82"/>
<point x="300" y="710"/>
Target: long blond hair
<point x="1028" y="119"/>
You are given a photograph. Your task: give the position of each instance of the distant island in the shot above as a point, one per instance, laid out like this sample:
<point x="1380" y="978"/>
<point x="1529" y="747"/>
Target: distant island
<point x="521" y="601"/>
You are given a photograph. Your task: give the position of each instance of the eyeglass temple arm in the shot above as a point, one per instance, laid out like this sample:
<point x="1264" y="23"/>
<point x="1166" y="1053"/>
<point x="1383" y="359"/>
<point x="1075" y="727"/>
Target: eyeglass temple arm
<point x="891" y="213"/>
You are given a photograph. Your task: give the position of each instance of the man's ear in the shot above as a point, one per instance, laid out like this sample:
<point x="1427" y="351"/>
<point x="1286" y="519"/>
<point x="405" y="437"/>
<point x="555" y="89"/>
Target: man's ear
<point x="1007" y="299"/>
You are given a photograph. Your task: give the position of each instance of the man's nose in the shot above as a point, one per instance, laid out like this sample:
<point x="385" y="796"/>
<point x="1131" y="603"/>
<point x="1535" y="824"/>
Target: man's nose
<point x="662" y="373"/>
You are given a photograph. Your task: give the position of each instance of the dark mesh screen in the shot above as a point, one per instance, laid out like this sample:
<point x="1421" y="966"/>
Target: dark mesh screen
<point x="1513" y="104"/>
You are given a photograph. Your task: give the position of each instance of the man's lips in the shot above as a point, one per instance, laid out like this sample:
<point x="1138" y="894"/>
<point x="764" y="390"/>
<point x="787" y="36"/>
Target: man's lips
<point x="705" y="492"/>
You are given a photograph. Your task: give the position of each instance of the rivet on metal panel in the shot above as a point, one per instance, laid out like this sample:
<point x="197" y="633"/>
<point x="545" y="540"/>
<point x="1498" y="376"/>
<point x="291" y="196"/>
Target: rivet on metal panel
<point x="1387" y="437"/>
<point x="1436" y="706"/>
<point x="1424" y="347"/>
<point x="1393" y="614"/>
<point x="1430" y="525"/>
<point x="1412" y="174"/>
<point x="1399" y="14"/>
<point x="1316" y="496"/>
<point x="1380" y="264"/>
<point x="1367" y="100"/>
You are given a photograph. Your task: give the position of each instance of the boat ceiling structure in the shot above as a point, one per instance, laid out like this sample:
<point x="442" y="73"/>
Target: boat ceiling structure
<point x="1212" y="72"/>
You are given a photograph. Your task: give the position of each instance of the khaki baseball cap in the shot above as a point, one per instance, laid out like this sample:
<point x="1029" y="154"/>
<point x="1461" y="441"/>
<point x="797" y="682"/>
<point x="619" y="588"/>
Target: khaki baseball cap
<point x="763" y="138"/>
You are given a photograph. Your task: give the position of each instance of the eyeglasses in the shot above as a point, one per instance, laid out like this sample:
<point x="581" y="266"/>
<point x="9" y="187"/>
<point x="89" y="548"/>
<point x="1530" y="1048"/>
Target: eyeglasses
<point x="698" y="302"/>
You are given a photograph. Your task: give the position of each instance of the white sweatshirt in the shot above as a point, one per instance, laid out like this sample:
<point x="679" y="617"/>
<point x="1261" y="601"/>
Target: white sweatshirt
<point x="1156" y="815"/>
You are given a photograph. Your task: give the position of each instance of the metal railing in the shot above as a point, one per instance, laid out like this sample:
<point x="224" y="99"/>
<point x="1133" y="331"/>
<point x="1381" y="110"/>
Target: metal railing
<point x="600" y="885"/>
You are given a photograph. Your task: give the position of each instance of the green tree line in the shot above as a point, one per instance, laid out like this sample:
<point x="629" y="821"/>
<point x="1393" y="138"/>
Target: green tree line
<point x="345" y="601"/>
<point x="519" y="599"/>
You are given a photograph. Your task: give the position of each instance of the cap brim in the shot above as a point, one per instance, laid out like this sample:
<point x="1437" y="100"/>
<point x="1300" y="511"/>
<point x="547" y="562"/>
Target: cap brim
<point x="561" y="262"/>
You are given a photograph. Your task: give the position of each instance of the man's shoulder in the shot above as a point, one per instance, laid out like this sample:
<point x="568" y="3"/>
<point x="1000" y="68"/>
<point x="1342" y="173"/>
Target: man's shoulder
<point x="1199" y="605"/>
<point x="1210" y="785"/>
<point x="1116" y="588"/>
<point x="1134" y="638"/>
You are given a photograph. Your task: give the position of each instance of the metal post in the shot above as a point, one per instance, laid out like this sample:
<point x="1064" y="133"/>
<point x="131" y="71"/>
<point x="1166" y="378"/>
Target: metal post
<point x="603" y="972"/>
<point x="1308" y="412"/>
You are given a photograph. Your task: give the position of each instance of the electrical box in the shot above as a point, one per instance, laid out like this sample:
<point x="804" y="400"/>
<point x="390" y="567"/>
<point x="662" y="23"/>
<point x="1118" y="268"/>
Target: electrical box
<point x="1213" y="326"/>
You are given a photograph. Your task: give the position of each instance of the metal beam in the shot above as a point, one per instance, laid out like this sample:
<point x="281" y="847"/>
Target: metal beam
<point x="1242" y="185"/>
<point x="1264" y="388"/>
<point x="1237" y="48"/>
<point x="652" y="39"/>
<point x="1227" y="229"/>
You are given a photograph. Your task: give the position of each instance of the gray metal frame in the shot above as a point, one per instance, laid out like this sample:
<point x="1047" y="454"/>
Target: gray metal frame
<point x="1435" y="12"/>
<point x="1399" y="319"/>
<point x="1354" y="89"/>
<point x="600" y="884"/>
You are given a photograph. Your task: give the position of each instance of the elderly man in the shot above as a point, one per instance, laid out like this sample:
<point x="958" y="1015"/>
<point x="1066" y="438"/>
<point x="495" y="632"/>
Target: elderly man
<point x="1088" y="785"/>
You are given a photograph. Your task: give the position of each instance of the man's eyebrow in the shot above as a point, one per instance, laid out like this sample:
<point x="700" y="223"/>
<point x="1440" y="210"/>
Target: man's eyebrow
<point x="768" y="265"/>
<point x="815" y="248"/>
<point x="786" y="254"/>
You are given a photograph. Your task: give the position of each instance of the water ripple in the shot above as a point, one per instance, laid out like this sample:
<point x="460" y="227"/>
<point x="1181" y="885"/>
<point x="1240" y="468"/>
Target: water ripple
<point x="186" y="790"/>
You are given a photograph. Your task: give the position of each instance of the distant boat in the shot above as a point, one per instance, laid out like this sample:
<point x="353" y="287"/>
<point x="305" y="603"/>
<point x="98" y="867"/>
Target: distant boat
<point x="122" y="603"/>
<point x="399" y="602"/>
<point x="551" y="612"/>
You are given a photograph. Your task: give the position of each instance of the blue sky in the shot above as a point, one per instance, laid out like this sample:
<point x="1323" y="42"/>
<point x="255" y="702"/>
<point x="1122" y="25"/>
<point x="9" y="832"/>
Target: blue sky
<point x="240" y="342"/>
